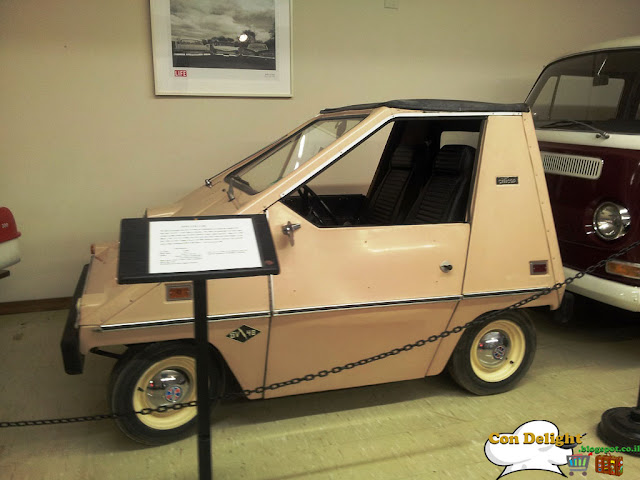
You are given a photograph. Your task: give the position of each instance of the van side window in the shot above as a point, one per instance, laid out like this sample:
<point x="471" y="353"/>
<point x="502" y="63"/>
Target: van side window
<point x="411" y="171"/>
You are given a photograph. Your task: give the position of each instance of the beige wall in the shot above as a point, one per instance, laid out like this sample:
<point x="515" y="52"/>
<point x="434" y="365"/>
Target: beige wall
<point x="85" y="142"/>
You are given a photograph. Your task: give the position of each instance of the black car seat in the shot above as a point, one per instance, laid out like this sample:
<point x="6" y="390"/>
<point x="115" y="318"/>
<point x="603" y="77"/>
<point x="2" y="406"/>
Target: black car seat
<point x="386" y="201"/>
<point x="444" y="197"/>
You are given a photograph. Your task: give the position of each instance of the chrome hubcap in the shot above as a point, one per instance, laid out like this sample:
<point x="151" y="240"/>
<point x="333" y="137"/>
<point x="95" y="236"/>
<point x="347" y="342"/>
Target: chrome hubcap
<point x="168" y="387"/>
<point x="493" y="349"/>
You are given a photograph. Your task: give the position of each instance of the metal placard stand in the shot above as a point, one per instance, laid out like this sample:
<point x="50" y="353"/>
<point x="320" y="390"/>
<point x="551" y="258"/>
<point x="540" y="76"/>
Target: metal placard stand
<point x="196" y="249"/>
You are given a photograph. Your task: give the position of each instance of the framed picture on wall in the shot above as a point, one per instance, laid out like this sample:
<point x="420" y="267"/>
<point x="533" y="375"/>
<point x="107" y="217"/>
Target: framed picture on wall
<point x="222" y="47"/>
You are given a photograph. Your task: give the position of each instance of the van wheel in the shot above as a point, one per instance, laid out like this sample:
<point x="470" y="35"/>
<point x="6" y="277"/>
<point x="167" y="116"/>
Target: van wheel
<point x="492" y="356"/>
<point x="159" y="374"/>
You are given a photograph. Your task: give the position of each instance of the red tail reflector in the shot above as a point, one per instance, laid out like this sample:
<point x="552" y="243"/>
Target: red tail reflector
<point x="179" y="292"/>
<point x="538" y="267"/>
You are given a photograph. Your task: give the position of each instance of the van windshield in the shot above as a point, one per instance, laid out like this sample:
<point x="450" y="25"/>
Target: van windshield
<point x="289" y="154"/>
<point x="599" y="89"/>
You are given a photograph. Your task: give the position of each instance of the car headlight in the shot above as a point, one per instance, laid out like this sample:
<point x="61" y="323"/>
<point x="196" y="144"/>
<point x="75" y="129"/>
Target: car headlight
<point x="611" y="220"/>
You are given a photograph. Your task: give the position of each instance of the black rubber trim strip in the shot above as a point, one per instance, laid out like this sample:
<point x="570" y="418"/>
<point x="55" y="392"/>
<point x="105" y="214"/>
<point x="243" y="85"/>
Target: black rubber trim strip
<point x="502" y="293"/>
<point x="182" y="321"/>
<point x="433" y="105"/>
<point x="326" y="308"/>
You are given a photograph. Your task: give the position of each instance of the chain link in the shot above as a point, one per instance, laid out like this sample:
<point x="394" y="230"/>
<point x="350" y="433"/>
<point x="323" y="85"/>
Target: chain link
<point x="335" y="370"/>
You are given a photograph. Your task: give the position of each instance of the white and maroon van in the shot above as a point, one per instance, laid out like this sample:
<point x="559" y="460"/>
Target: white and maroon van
<point x="587" y="119"/>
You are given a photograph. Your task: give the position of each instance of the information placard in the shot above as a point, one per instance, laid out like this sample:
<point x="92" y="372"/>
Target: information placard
<point x="189" y="248"/>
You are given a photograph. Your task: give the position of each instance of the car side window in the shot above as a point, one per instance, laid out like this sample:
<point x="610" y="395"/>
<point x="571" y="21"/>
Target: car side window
<point x="411" y="171"/>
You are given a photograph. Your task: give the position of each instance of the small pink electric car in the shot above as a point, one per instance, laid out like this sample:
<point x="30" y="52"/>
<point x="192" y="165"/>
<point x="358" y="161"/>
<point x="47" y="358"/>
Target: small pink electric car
<point x="392" y="222"/>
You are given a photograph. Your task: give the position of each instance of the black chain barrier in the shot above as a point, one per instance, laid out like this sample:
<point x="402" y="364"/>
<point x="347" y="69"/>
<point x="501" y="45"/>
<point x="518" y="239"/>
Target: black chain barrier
<point x="324" y="373"/>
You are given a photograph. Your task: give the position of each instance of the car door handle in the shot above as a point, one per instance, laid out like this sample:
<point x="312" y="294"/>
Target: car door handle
<point x="446" y="267"/>
<point x="288" y="230"/>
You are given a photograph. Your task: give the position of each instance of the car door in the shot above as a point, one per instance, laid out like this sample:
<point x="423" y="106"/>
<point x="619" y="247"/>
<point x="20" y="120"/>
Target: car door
<point x="348" y="293"/>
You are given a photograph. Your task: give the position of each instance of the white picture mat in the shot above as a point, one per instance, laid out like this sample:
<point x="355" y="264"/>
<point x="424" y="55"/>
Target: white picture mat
<point x="218" y="81"/>
<point x="202" y="245"/>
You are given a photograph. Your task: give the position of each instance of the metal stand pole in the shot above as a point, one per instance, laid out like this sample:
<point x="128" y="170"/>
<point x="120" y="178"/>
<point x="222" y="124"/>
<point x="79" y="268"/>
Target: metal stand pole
<point x="202" y="372"/>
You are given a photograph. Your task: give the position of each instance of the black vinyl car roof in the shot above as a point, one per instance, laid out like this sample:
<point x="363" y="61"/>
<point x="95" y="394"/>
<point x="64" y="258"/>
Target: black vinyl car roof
<point x="431" y="105"/>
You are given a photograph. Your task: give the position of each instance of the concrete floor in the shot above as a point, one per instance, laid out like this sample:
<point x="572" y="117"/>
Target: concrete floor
<point x="407" y="430"/>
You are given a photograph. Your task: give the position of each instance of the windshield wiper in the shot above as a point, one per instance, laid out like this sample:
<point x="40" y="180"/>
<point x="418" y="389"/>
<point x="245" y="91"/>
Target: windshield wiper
<point x="568" y="122"/>
<point x="231" y="179"/>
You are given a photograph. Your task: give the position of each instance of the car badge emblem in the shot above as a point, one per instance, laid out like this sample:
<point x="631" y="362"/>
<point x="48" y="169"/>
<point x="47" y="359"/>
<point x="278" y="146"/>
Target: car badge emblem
<point x="499" y="352"/>
<point x="243" y="333"/>
<point x="506" y="180"/>
<point x="173" y="394"/>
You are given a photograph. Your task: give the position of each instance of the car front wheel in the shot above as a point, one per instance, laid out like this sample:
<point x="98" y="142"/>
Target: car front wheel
<point x="159" y="374"/>
<point x="492" y="356"/>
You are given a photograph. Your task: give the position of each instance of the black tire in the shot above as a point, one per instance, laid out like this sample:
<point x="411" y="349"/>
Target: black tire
<point x="131" y="389"/>
<point x="486" y="371"/>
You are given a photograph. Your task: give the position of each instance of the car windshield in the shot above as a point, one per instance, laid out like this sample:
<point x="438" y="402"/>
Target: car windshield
<point x="289" y="154"/>
<point x="600" y="89"/>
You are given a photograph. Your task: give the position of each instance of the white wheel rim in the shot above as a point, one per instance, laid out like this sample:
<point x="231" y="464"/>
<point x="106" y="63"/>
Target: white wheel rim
<point x="497" y="351"/>
<point x="180" y="388"/>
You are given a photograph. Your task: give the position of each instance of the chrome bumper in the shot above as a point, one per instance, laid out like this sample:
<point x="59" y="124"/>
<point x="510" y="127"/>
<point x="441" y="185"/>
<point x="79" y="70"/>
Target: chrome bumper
<point x="617" y="294"/>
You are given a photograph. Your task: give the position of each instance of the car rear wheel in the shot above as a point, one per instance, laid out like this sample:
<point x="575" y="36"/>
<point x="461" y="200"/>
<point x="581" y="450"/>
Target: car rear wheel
<point x="159" y="374"/>
<point x="492" y="356"/>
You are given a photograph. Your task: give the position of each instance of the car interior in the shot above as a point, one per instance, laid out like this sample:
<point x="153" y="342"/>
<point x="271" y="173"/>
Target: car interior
<point x="422" y="175"/>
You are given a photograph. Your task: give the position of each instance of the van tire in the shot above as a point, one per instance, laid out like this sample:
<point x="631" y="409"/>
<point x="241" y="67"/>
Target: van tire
<point x="129" y="391"/>
<point x="486" y="371"/>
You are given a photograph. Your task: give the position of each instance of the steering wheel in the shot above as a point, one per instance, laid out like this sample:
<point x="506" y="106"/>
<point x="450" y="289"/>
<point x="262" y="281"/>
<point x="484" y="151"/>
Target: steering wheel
<point x="309" y="198"/>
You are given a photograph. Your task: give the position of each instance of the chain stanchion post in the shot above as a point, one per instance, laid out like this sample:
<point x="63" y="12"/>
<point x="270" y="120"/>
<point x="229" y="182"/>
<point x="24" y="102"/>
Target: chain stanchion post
<point x="202" y="374"/>
<point x="620" y="427"/>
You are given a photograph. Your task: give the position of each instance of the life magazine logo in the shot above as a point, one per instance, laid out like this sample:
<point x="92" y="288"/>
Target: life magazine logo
<point x="535" y="445"/>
